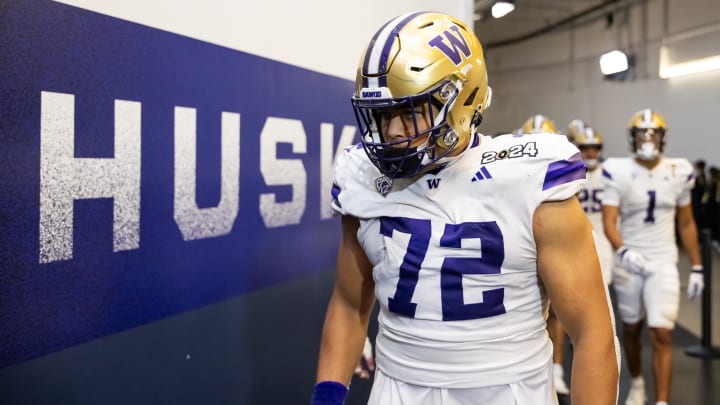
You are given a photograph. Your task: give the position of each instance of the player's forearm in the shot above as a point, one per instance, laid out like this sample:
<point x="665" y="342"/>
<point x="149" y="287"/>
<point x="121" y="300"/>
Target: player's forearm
<point x="689" y="237"/>
<point x="610" y="228"/>
<point x="595" y="364"/>
<point x="594" y="372"/>
<point x="342" y="341"/>
<point x="613" y="236"/>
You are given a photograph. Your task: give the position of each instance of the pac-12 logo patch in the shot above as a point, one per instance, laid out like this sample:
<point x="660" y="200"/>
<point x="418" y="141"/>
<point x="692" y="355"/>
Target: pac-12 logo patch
<point x="383" y="184"/>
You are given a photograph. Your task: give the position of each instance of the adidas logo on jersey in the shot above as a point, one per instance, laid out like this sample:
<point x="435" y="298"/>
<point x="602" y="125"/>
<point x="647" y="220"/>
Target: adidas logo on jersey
<point x="482" y="174"/>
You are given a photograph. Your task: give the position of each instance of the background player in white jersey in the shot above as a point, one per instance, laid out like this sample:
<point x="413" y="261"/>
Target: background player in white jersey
<point x="541" y="124"/>
<point x="459" y="236"/>
<point x="647" y="192"/>
<point x="590" y="143"/>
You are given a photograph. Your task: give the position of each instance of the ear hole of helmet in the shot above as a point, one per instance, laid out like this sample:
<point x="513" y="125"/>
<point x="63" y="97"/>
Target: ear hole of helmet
<point x="471" y="98"/>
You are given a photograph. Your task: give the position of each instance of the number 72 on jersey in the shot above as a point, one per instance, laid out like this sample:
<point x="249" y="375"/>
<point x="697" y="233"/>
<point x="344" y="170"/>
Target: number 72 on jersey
<point x="452" y="269"/>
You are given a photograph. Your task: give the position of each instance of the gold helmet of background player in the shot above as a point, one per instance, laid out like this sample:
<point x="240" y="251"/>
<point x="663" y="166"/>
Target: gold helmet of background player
<point x="575" y="127"/>
<point x="586" y="141"/>
<point x="538" y="124"/>
<point x="588" y="137"/>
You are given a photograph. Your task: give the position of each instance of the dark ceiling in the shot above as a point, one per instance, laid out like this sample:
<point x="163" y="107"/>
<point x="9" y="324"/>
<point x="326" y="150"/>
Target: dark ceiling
<point x="535" y="17"/>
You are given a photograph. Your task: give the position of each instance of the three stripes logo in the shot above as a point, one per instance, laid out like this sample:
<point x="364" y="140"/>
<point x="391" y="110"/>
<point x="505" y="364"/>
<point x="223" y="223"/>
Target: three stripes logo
<point x="482" y="174"/>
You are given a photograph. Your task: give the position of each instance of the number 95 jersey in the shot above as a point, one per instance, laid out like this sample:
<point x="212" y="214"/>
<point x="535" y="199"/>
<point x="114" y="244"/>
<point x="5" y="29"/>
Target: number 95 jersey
<point x="454" y="258"/>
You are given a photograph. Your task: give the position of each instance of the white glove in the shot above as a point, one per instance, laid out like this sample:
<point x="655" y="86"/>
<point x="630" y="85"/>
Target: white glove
<point x="367" y="356"/>
<point x="696" y="282"/>
<point x="631" y="260"/>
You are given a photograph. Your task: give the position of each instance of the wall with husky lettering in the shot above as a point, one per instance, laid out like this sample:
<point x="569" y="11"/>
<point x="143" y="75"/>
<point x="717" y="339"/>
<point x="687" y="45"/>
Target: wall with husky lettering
<point x="165" y="230"/>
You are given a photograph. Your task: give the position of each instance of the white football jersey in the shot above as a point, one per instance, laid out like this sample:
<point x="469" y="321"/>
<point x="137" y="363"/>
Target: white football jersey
<point x="648" y="201"/>
<point x="454" y="258"/>
<point x="591" y="200"/>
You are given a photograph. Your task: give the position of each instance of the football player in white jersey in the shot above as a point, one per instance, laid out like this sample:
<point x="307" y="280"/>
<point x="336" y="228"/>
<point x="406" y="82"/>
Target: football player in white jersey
<point x="460" y="237"/>
<point x="541" y="124"/>
<point x="647" y="192"/>
<point x="590" y="144"/>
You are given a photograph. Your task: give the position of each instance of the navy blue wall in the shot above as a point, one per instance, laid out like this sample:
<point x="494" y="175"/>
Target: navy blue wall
<point x="258" y="348"/>
<point x="49" y="305"/>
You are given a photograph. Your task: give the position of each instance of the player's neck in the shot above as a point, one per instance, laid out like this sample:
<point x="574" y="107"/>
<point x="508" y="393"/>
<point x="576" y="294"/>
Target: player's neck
<point x="462" y="146"/>
<point x="648" y="164"/>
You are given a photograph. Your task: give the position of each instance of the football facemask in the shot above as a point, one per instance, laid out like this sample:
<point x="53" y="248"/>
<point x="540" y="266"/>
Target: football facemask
<point x="646" y="134"/>
<point x="647" y="143"/>
<point x="426" y="136"/>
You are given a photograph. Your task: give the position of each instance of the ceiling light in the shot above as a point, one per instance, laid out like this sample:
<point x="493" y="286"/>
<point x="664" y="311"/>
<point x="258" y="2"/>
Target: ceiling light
<point x="502" y="8"/>
<point x="690" y="52"/>
<point x="613" y="62"/>
<point x="690" y="67"/>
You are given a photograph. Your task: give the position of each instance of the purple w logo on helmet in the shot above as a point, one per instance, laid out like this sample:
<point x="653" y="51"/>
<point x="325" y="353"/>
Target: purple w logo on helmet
<point x="457" y="44"/>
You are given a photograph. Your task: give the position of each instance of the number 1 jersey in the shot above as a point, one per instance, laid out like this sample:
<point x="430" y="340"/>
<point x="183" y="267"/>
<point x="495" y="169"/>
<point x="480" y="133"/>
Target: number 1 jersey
<point x="647" y="201"/>
<point x="454" y="258"/>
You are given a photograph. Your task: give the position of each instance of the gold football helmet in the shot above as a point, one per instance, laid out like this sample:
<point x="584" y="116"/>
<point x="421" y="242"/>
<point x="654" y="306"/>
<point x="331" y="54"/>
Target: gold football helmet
<point x="575" y="127"/>
<point x="420" y="59"/>
<point x="646" y="134"/>
<point x="590" y="144"/>
<point x="538" y="124"/>
<point x="588" y="137"/>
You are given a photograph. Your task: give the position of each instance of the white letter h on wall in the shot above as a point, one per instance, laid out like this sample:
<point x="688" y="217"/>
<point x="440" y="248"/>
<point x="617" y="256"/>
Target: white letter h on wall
<point x="65" y="178"/>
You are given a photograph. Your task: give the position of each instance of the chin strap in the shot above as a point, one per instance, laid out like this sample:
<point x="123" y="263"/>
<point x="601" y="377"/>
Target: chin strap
<point x="476" y="120"/>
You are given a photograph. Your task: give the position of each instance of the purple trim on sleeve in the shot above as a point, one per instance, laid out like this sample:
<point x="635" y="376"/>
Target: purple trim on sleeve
<point x="690" y="177"/>
<point x="564" y="171"/>
<point x="475" y="141"/>
<point x="354" y="146"/>
<point x="606" y="174"/>
<point x="335" y="192"/>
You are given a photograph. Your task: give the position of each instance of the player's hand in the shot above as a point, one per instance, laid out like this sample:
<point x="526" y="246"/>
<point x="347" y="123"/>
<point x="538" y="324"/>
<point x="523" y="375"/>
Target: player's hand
<point x="366" y="364"/>
<point x="696" y="282"/>
<point x="632" y="261"/>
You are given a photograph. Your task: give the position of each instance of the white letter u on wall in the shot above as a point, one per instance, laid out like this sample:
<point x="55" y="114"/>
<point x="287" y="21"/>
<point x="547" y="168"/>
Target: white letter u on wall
<point x="195" y="222"/>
